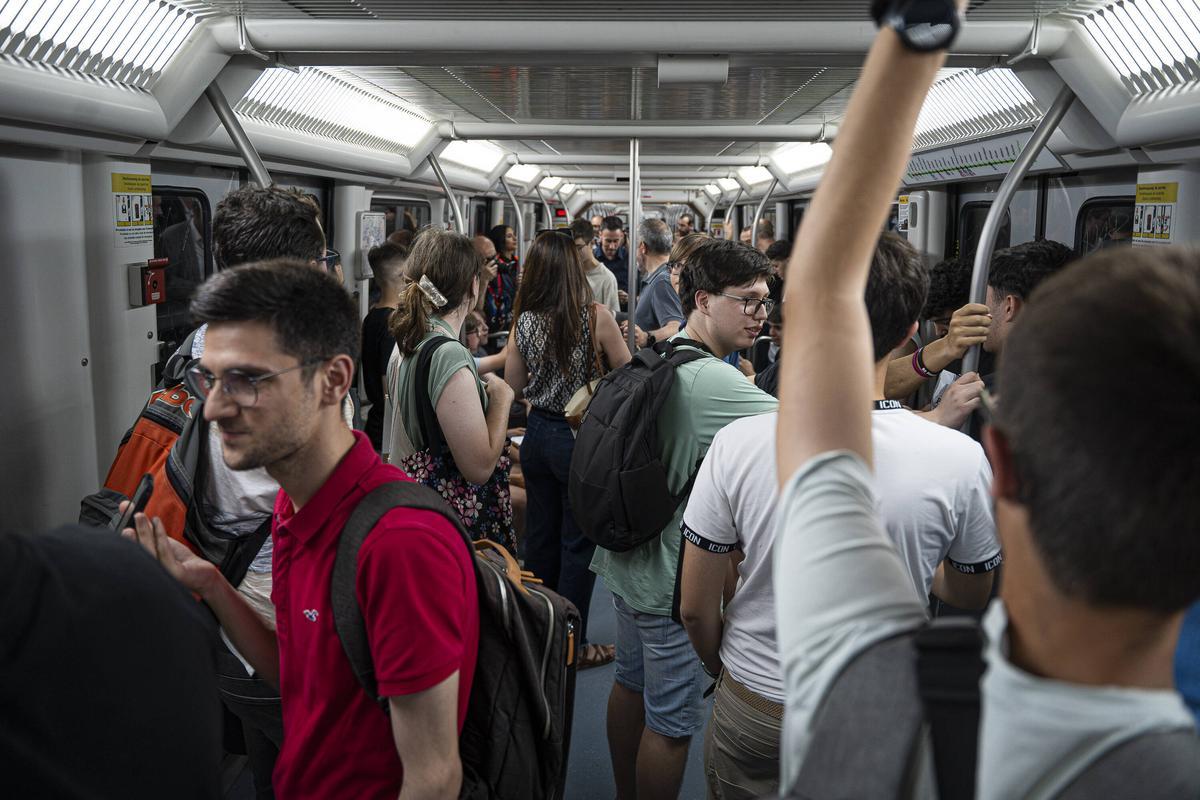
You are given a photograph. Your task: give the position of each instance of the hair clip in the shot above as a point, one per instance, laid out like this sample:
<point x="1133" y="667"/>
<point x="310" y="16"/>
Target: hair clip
<point x="430" y="291"/>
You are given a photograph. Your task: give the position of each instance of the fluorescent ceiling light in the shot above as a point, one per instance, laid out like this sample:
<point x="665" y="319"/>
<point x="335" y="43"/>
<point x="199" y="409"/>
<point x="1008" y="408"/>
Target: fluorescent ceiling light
<point x="972" y="105"/>
<point x="567" y="189"/>
<point x="130" y="41"/>
<point x="712" y="189"/>
<point x="796" y="158"/>
<point x="1152" y="44"/>
<point x="550" y="183"/>
<point x="755" y="176"/>
<point x="480" y="156"/>
<point x="321" y="104"/>
<point x="522" y="173"/>
<point x="728" y="184"/>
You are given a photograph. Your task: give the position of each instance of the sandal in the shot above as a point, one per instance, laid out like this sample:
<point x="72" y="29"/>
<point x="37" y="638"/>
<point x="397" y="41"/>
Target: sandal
<point x="596" y="655"/>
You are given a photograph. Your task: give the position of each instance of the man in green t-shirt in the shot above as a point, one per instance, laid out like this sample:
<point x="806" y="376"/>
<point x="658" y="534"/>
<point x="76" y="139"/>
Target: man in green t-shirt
<point x="655" y="705"/>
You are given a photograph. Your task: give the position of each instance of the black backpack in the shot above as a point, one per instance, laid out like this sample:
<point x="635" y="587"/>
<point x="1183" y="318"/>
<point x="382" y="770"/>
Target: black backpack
<point x="516" y="736"/>
<point x="618" y="482"/>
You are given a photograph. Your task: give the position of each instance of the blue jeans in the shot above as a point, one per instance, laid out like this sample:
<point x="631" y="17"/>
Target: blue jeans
<point x="555" y="549"/>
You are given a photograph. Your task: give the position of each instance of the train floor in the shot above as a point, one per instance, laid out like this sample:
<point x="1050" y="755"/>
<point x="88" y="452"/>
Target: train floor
<point x="590" y="771"/>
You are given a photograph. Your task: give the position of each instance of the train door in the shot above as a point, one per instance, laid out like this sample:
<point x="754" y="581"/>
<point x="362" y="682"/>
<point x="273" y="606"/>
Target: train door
<point x="1091" y="211"/>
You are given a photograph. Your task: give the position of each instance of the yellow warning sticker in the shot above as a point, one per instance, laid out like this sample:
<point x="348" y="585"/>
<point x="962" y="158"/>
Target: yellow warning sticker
<point x="130" y="183"/>
<point x="1157" y="193"/>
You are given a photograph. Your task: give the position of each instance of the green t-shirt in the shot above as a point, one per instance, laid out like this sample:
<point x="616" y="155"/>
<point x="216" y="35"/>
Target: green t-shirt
<point x="707" y="395"/>
<point x="447" y="360"/>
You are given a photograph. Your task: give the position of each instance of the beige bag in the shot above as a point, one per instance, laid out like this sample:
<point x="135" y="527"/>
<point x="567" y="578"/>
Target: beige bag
<point x="577" y="406"/>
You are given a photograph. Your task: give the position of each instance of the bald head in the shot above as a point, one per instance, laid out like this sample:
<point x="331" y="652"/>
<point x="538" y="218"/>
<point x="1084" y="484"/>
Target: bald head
<point x="484" y="247"/>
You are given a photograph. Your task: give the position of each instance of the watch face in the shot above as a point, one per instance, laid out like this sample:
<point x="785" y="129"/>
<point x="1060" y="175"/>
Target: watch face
<point x="925" y="24"/>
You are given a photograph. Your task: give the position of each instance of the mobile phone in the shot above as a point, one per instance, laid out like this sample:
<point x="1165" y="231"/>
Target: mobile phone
<point x="137" y="504"/>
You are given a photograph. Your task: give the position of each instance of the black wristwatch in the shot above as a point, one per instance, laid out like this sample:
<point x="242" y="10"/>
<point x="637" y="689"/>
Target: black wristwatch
<point x="650" y="340"/>
<point x="922" y="25"/>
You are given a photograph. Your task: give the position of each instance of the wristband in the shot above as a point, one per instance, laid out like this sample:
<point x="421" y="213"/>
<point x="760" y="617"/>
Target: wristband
<point x="919" y="367"/>
<point x="650" y="340"/>
<point x="709" y="673"/>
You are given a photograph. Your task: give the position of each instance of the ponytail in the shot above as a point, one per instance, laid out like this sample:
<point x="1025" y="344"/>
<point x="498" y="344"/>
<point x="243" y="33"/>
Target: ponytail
<point x="409" y="323"/>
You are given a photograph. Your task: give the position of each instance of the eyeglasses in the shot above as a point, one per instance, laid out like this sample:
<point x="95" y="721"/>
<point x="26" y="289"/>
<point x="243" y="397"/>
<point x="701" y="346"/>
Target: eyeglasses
<point x="235" y="384"/>
<point x="331" y="259"/>
<point x="752" y="305"/>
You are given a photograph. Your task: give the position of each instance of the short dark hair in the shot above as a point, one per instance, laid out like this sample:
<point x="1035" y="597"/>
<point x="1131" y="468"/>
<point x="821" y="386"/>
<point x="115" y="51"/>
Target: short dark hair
<point x="1018" y="270"/>
<point x="612" y="224"/>
<point x="896" y="289"/>
<point x="257" y="224"/>
<point x="949" y="288"/>
<point x="387" y="262"/>
<point x="1107" y="468"/>
<point x="312" y="314"/>
<point x="582" y="229"/>
<point x="687" y="214"/>
<point x="780" y="250"/>
<point x="717" y="265"/>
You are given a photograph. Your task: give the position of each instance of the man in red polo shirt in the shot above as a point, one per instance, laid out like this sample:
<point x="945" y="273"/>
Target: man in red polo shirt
<point x="278" y="360"/>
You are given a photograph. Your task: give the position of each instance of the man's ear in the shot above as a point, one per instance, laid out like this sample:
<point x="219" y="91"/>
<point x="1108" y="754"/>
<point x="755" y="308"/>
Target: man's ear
<point x="1005" y="483"/>
<point x="337" y="377"/>
<point x="909" y="334"/>
<point x="1012" y="307"/>
<point x="702" y="297"/>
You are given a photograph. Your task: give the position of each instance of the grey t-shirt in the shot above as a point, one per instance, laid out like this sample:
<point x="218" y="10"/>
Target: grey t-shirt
<point x="840" y="588"/>
<point x="659" y="303"/>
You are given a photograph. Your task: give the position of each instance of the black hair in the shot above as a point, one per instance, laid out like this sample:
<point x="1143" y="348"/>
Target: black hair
<point x="257" y="224"/>
<point x="1018" y="270"/>
<point x="1106" y="468"/>
<point x="780" y="250"/>
<point x="310" y="311"/>
<point x="896" y="289"/>
<point x="387" y="263"/>
<point x="582" y="229"/>
<point x="498" y="234"/>
<point x="949" y="288"/>
<point x="612" y="224"/>
<point x="717" y="265"/>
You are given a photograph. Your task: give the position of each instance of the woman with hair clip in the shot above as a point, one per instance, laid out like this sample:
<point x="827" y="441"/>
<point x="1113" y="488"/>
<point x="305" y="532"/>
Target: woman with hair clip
<point x="563" y="341"/>
<point x="443" y="425"/>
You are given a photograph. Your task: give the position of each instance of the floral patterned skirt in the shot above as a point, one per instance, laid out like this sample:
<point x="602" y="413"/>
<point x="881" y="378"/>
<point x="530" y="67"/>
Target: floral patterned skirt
<point x="485" y="509"/>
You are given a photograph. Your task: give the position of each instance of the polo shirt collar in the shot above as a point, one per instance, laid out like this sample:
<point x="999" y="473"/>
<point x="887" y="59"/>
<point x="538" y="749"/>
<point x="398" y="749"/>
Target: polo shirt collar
<point x="353" y="468"/>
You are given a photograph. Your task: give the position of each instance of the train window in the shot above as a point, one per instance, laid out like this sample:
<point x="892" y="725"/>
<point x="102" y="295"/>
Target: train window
<point x="403" y="215"/>
<point x="1104" y="222"/>
<point x="970" y="227"/>
<point x="183" y="235"/>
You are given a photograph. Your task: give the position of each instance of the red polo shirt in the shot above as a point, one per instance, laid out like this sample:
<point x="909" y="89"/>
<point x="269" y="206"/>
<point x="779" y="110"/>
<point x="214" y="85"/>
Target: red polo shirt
<point x="416" y="587"/>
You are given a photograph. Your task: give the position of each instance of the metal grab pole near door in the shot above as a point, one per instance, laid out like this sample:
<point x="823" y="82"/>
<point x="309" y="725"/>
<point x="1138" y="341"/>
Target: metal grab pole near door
<point x="459" y="222"/>
<point x="758" y="212"/>
<point x="241" y="142"/>
<point x="1004" y="195"/>
<point x="635" y="214"/>
<point x="512" y="198"/>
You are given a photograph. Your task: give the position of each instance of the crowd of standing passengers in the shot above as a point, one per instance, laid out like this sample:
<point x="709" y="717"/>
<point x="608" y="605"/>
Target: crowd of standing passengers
<point x="793" y="579"/>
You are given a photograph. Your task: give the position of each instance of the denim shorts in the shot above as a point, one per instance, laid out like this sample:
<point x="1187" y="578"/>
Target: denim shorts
<point x="655" y="658"/>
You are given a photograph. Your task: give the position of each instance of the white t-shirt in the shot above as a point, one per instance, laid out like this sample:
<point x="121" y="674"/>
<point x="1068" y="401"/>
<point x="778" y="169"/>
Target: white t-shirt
<point x="841" y="587"/>
<point x="934" y="489"/>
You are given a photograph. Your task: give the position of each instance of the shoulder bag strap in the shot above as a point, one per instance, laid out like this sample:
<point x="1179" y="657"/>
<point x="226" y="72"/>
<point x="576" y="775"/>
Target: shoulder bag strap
<point x="348" y="620"/>
<point x="949" y="667"/>
<point x="597" y="364"/>
<point x="431" y="429"/>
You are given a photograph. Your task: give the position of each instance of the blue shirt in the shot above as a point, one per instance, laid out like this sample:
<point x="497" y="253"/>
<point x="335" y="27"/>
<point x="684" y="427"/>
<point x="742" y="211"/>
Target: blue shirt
<point x="618" y="266"/>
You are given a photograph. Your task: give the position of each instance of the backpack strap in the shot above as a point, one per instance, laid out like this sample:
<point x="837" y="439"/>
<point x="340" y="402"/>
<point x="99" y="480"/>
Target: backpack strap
<point x="348" y="620"/>
<point x="949" y="666"/>
<point x="431" y="429"/>
<point x="179" y="361"/>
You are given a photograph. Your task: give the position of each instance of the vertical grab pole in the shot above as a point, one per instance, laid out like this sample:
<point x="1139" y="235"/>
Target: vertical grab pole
<point x="1004" y="196"/>
<point x="758" y="212"/>
<point x="729" y="217"/>
<point x="258" y="170"/>
<point x="546" y="208"/>
<point x="459" y="222"/>
<point x="635" y="214"/>
<point x="512" y="198"/>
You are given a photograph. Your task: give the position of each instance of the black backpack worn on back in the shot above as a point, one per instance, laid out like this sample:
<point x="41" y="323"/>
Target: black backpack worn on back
<point x="618" y="482"/>
<point x="516" y="736"/>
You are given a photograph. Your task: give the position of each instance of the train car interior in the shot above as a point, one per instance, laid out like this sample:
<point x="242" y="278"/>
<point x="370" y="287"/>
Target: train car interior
<point x="125" y="122"/>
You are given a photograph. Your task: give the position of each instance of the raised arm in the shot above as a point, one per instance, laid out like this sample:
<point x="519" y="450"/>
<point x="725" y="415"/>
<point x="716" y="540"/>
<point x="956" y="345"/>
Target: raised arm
<point x="825" y="383"/>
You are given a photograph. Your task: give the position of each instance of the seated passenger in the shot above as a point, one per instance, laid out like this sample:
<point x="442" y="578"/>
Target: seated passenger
<point x="933" y="486"/>
<point x="659" y="313"/>
<point x="655" y="704"/>
<point x="297" y="331"/>
<point x="563" y="342"/>
<point x="387" y="263"/>
<point x="602" y="281"/>
<point x="1093" y="507"/>
<point x="109" y="686"/>
<point x="444" y="426"/>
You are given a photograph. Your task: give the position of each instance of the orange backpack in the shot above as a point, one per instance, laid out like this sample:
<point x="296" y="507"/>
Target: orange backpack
<point x="169" y="440"/>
